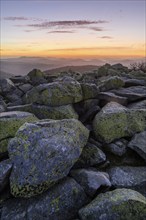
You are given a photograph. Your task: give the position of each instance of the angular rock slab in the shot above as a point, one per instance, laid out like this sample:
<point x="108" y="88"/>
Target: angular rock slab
<point x="120" y="204"/>
<point x="61" y="202"/>
<point x="115" y="121"/>
<point x="91" y="180"/>
<point x="5" y="170"/>
<point x="55" y="93"/>
<point x="138" y="144"/>
<point x="11" y="121"/>
<point x="129" y="177"/>
<point x="43" y="153"/>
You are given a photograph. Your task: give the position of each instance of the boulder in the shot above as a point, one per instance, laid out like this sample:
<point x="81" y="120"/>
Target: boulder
<point x="129" y="177"/>
<point x="132" y="93"/>
<point x="138" y="144"/>
<point x="114" y="82"/>
<point x="61" y="202"/>
<point x="91" y="181"/>
<point x="117" y="148"/>
<point x="11" y="121"/>
<point x="115" y="121"/>
<point x="90" y="90"/>
<point x="36" y="77"/>
<point x="25" y="87"/>
<point x="111" y="97"/>
<point x="137" y="105"/>
<point x="6" y="86"/>
<point x="5" y="170"/>
<point x="91" y="156"/>
<point x="121" y="204"/>
<point x="55" y="93"/>
<point x="58" y="112"/>
<point x="43" y="153"/>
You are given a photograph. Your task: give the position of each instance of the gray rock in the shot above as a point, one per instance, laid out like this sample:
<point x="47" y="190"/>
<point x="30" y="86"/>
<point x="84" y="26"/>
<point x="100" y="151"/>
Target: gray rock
<point x="25" y="87"/>
<point x="23" y="108"/>
<point x="132" y="93"/>
<point x="138" y="144"/>
<point x="5" y="170"/>
<point x="114" y="82"/>
<point x="118" y="148"/>
<point x="36" y="77"/>
<point x="129" y="177"/>
<point x="61" y="202"/>
<point x="134" y="82"/>
<point x="55" y="93"/>
<point x="115" y="121"/>
<point x="90" y="91"/>
<point x="111" y="97"/>
<point x="58" y="112"/>
<point x="121" y="204"/>
<point x="137" y="105"/>
<point x="91" y="181"/>
<point x="6" y="86"/>
<point x="91" y="156"/>
<point x="90" y="114"/>
<point x="43" y="153"/>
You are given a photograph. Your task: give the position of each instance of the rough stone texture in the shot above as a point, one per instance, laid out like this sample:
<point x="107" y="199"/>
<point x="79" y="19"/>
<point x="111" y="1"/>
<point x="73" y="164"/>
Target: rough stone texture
<point x="118" y="148"/>
<point x="129" y="177"/>
<point x="91" y="181"/>
<point x="137" y="105"/>
<point x="60" y="112"/>
<point x="91" y="156"/>
<point x="43" y="153"/>
<point x="6" y="86"/>
<point x="138" y="144"/>
<point x="3" y="146"/>
<point x="11" y="121"/>
<point x="61" y="202"/>
<point x="24" y="108"/>
<point x="90" y="91"/>
<point x="111" y="97"/>
<point x="121" y="204"/>
<point x="132" y="93"/>
<point x="25" y="87"/>
<point x="115" y="121"/>
<point x="90" y="114"/>
<point x="5" y="169"/>
<point x="36" y="77"/>
<point x="114" y="82"/>
<point x="134" y="82"/>
<point x="55" y="93"/>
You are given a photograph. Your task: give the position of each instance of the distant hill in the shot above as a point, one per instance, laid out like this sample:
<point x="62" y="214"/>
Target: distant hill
<point x="81" y="69"/>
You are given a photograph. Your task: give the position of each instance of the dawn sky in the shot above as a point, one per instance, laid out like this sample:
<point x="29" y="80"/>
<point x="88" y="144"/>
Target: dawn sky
<point x="73" y="28"/>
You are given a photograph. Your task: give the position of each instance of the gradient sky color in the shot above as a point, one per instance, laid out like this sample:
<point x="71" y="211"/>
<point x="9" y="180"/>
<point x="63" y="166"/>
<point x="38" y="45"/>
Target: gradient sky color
<point x="73" y="28"/>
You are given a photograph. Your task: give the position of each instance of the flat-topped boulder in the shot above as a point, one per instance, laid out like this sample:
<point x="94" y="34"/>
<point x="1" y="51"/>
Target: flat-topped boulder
<point x="115" y="121"/>
<point x="43" y="153"/>
<point x="56" y="93"/>
<point x="121" y="204"/>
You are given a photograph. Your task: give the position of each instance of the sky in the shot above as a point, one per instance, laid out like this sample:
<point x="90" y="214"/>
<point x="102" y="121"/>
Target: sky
<point x="111" y="28"/>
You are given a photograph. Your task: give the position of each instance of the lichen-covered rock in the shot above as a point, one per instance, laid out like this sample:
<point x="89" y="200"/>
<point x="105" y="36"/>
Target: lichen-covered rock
<point x="121" y="204"/>
<point x="129" y="177"/>
<point x="114" y="82"/>
<point x="56" y="93"/>
<point x="90" y="90"/>
<point x="91" y="180"/>
<point x="58" y="112"/>
<point x="11" y="121"/>
<point x="132" y="93"/>
<point x="115" y="121"/>
<point x="91" y="156"/>
<point x="43" y="153"/>
<point x="138" y="105"/>
<point x="117" y="148"/>
<point x="111" y="97"/>
<point x="36" y="77"/>
<point x="138" y="144"/>
<point x="61" y="202"/>
<point x="5" y="169"/>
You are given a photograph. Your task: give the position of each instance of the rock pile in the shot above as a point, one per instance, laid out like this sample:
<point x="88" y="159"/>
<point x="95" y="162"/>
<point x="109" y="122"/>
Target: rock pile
<point x="73" y="146"/>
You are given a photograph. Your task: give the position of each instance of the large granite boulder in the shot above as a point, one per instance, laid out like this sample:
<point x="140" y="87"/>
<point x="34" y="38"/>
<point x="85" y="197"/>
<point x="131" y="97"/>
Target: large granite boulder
<point x="43" y="153"/>
<point x="61" y="202"/>
<point x="121" y="204"/>
<point x="56" y="93"/>
<point x="138" y="144"/>
<point x="36" y="77"/>
<point x="129" y="177"/>
<point x="114" y="82"/>
<point x="90" y="90"/>
<point x="9" y="124"/>
<point x="115" y="121"/>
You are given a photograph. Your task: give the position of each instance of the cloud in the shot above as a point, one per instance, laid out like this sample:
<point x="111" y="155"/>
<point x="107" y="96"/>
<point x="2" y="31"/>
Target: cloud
<point x="96" y="28"/>
<point x="22" y="18"/>
<point x="61" y="32"/>
<point x="106" y="37"/>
